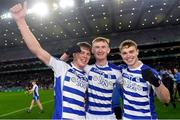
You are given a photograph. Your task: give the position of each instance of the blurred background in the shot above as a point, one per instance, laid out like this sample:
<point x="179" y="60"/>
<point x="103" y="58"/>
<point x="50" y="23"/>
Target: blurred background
<point x="153" y="24"/>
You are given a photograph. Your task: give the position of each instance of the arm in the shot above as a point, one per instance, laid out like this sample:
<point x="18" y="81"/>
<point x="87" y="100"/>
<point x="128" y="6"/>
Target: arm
<point x="18" y="12"/>
<point x="117" y="94"/>
<point x="69" y="52"/>
<point x="64" y="57"/>
<point x="161" y="91"/>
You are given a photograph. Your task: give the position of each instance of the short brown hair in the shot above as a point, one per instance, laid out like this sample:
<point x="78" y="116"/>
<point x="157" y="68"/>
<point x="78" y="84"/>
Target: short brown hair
<point x="84" y="45"/>
<point x="98" y="39"/>
<point x="127" y="44"/>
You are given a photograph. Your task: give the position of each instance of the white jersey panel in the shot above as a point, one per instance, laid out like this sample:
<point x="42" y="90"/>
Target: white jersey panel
<point x="70" y="85"/>
<point x="100" y="88"/>
<point x="138" y="95"/>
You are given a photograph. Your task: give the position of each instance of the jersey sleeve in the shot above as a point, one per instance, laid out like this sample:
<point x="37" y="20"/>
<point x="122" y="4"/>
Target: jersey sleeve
<point x="34" y="86"/>
<point x="87" y="68"/>
<point x="117" y="72"/>
<point x="58" y="66"/>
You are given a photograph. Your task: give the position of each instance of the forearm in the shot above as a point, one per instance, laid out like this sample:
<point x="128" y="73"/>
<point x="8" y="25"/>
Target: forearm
<point x="28" y="37"/>
<point x="64" y="57"/>
<point x="162" y="93"/>
<point x="32" y="43"/>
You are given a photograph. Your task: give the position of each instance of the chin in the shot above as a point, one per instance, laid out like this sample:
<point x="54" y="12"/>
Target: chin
<point x="130" y="63"/>
<point x="83" y="65"/>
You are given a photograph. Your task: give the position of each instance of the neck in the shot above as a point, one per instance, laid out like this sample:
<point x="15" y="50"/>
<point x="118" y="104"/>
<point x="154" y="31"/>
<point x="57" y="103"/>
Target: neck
<point x="77" y="66"/>
<point x="101" y="62"/>
<point x="136" y="65"/>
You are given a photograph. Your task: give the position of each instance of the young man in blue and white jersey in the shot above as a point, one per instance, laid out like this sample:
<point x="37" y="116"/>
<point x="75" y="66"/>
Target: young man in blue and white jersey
<point x="102" y="77"/>
<point x="139" y="81"/>
<point x="70" y="81"/>
<point x="35" y="92"/>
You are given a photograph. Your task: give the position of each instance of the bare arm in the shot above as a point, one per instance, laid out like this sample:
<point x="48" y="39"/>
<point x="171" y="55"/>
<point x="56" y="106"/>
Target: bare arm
<point x="18" y="13"/>
<point x="64" y="57"/>
<point x="162" y="93"/>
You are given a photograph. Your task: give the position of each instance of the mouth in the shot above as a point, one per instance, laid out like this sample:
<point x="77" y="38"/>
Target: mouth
<point x="100" y="54"/>
<point x="129" y="60"/>
<point x="84" y="61"/>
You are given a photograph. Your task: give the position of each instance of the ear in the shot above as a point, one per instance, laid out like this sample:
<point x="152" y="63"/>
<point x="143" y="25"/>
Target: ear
<point x="137" y="51"/>
<point x="73" y="55"/>
<point x="109" y="50"/>
<point x="92" y="50"/>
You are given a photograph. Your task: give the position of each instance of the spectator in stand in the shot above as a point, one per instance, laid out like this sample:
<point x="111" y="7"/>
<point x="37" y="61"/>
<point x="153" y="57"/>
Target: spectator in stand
<point x="169" y="83"/>
<point x="177" y="77"/>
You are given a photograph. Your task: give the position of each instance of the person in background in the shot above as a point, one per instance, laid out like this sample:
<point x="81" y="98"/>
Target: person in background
<point x="36" y="99"/>
<point x="139" y="83"/>
<point x="177" y="77"/>
<point x="169" y="83"/>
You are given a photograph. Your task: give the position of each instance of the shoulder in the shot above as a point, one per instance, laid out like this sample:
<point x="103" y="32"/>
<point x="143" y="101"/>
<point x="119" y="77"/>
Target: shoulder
<point x="87" y="68"/>
<point x="148" y="67"/>
<point x="55" y="62"/>
<point x="122" y="66"/>
<point x="113" y="66"/>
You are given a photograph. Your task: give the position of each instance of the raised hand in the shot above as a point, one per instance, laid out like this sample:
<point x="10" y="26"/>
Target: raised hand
<point x="148" y="75"/>
<point x="18" y="11"/>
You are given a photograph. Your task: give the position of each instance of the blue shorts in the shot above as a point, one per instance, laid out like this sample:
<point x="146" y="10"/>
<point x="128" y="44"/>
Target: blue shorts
<point x="36" y="98"/>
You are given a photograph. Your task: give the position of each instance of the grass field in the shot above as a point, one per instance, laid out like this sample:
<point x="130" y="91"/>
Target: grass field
<point x="13" y="105"/>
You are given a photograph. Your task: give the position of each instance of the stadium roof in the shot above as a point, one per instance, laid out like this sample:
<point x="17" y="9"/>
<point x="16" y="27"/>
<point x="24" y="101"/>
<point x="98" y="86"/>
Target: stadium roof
<point x="88" y="18"/>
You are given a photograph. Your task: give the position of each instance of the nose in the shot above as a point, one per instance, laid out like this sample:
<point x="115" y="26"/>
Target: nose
<point x="128" y="55"/>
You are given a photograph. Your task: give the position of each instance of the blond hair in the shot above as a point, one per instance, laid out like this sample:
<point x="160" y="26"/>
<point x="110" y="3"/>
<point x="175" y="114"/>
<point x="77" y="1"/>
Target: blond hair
<point x="127" y="44"/>
<point x="103" y="39"/>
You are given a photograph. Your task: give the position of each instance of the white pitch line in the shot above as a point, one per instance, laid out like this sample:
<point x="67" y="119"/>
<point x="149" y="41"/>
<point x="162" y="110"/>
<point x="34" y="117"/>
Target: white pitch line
<point x="3" y="115"/>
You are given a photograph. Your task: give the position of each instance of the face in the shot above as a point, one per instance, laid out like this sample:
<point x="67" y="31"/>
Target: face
<point x="81" y="59"/>
<point x="130" y="56"/>
<point x="100" y="50"/>
<point x="33" y="83"/>
<point x="175" y="70"/>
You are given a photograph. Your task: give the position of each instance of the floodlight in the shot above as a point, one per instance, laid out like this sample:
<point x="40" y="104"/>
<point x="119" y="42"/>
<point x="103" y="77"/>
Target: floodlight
<point x="66" y="3"/>
<point x="39" y="9"/>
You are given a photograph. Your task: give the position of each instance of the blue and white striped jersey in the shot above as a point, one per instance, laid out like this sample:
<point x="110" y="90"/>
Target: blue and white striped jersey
<point x="70" y="85"/>
<point x="35" y="91"/>
<point x="138" y="95"/>
<point x="100" y="88"/>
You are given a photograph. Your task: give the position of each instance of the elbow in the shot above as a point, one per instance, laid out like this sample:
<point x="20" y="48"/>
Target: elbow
<point x="167" y="100"/>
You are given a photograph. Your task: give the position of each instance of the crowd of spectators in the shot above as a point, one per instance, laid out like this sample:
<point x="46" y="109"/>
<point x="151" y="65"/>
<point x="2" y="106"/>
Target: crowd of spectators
<point x="23" y="80"/>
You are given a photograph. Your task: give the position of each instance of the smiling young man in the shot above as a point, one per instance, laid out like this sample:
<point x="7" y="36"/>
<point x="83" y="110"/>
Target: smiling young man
<point x="102" y="77"/>
<point x="139" y="80"/>
<point x="70" y="81"/>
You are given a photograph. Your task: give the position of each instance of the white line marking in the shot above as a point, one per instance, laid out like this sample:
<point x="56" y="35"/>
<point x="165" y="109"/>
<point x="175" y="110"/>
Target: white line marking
<point x="3" y="115"/>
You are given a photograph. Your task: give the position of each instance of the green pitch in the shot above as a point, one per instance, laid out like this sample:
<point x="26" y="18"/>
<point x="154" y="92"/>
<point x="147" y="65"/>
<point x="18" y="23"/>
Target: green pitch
<point x="13" y="105"/>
